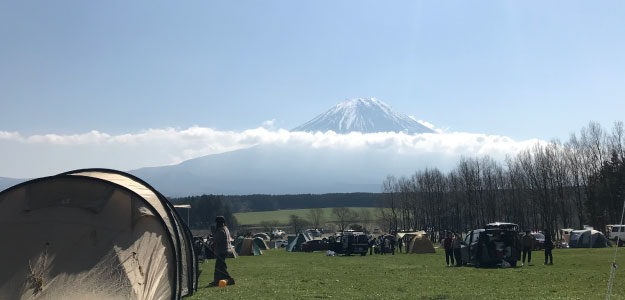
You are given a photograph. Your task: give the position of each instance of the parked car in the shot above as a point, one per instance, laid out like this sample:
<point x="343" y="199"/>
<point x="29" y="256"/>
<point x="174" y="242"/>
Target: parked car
<point x="502" y="225"/>
<point x="540" y="241"/>
<point x="355" y="243"/>
<point x="492" y="245"/>
<point x="277" y="233"/>
<point x="349" y="242"/>
<point x="281" y="243"/>
<point x="616" y="231"/>
<point x="314" y="245"/>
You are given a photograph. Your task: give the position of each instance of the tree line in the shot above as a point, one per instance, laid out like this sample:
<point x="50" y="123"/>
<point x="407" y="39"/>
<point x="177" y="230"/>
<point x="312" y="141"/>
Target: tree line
<point x="342" y="218"/>
<point x="204" y="208"/>
<point x="546" y="187"/>
<point x="262" y="202"/>
<point x="203" y="211"/>
<point x="339" y="219"/>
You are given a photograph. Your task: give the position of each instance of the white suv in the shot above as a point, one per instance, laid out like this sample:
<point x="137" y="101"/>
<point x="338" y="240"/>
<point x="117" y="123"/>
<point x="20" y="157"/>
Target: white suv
<point x="616" y="231"/>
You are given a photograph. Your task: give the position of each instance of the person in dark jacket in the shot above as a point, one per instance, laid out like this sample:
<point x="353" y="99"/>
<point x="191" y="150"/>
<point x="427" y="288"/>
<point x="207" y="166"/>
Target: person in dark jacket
<point x="449" y="251"/>
<point x="482" y="242"/>
<point x="400" y="243"/>
<point x="384" y="244"/>
<point x="548" y="248"/>
<point x="528" y="242"/>
<point x="222" y="248"/>
<point x="455" y="244"/>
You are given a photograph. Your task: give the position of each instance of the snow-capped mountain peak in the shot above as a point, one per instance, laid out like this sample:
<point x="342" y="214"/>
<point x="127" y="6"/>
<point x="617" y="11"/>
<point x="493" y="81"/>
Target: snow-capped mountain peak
<point x="366" y="115"/>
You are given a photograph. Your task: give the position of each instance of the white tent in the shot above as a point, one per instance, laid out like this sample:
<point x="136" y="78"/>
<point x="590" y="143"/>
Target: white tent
<point x="93" y="234"/>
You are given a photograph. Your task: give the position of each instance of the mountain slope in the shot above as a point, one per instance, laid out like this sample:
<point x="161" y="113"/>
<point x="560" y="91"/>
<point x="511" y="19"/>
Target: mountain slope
<point x="261" y="170"/>
<point x="276" y="169"/>
<point x="366" y="115"/>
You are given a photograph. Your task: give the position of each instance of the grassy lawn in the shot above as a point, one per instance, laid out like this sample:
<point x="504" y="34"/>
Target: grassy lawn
<point x="282" y="216"/>
<point x="577" y="274"/>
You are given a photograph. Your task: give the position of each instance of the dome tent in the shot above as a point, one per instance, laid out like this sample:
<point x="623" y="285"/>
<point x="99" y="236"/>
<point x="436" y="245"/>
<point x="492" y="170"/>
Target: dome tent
<point x="262" y="245"/>
<point x="417" y="242"/>
<point x="295" y="245"/>
<point x="247" y="247"/>
<point x="587" y="238"/>
<point x="93" y="233"/>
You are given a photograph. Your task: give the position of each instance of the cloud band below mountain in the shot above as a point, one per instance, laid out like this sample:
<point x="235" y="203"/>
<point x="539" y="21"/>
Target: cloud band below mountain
<point x="40" y="155"/>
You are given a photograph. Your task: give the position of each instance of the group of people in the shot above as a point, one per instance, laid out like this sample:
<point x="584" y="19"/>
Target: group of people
<point x="452" y="243"/>
<point x="453" y="255"/>
<point x="528" y="243"/>
<point x="385" y="244"/>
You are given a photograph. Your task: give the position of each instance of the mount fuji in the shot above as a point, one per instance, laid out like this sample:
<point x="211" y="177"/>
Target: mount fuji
<point x="292" y="169"/>
<point x="284" y="168"/>
<point x="366" y="115"/>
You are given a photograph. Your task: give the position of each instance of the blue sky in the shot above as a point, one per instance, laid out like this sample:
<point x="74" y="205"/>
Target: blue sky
<point x="522" y="69"/>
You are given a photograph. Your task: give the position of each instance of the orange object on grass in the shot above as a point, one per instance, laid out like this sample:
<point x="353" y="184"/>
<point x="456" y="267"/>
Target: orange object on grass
<point x="222" y="283"/>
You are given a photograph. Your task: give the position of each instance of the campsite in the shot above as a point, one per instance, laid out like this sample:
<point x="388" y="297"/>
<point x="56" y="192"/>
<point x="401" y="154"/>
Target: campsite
<point x="419" y="272"/>
<point x="278" y="274"/>
<point x="138" y="244"/>
<point x="355" y="149"/>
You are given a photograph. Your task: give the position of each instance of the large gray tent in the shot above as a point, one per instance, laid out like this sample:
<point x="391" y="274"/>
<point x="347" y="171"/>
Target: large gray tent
<point x="587" y="238"/>
<point x="93" y="234"/>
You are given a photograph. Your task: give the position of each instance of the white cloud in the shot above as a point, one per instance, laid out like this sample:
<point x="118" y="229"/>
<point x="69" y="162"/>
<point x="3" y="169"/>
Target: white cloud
<point x="269" y="124"/>
<point x="39" y="155"/>
<point x="428" y="125"/>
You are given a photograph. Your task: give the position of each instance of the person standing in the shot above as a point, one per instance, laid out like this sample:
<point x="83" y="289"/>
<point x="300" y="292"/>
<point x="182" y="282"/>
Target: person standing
<point x="455" y="245"/>
<point x="482" y="241"/>
<point x="528" y="242"/>
<point x="400" y="241"/>
<point x="371" y="244"/>
<point x="222" y="248"/>
<point x="387" y="245"/>
<point x="448" y="245"/>
<point x="392" y="241"/>
<point x="548" y="248"/>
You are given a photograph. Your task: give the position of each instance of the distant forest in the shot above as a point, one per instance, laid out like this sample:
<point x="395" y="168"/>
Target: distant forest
<point x="274" y="202"/>
<point x="547" y="187"/>
<point x="206" y="207"/>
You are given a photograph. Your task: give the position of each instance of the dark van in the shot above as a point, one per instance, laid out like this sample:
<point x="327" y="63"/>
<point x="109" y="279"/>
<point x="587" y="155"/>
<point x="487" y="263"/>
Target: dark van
<point x="498" y="244"/>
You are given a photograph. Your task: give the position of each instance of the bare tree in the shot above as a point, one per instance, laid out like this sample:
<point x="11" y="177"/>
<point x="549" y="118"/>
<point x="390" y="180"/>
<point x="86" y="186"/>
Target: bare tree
<point x="343" y="217"/>
<point x="390" y="189"/>
<point x="365" y="217"/>
<point x="617" y="139"/>
<point x="548" y="186"/>
<point x="316" y="217"/>
<point x="297" y="223"/>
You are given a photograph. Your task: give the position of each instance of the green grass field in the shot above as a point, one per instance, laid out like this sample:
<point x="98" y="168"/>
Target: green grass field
<point x="576" y="274"/>
<point x="282" y="216"/>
